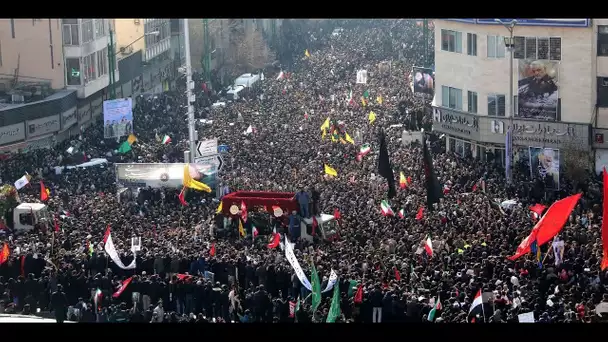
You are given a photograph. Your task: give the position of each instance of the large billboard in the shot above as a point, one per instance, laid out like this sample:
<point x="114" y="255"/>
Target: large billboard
<point x="12" y="133"/>
<point x="42" y="126"/>
<point x="117" y="118"/>
<point x="538" y="86"/>
<point x="423" y="80"/>
<point x="158" y="175"/>
<point x="544" y="162"/>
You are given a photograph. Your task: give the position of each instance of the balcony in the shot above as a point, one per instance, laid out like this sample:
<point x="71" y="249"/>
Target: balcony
<point x="156" y="49"/>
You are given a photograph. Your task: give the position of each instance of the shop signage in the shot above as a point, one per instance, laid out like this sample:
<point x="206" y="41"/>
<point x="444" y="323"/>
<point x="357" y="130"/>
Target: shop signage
<point x="533" y="133"/>
<point x="69" y="118"/>
<point x="42" y="126"/>
<point x="12" y="133"/>
<point x="455" y="123"/>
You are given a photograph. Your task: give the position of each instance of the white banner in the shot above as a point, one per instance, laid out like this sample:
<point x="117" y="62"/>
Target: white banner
<point x="291" y="257"/>
<point x="362" y="77"/>
<point x="333" y="278"/>
<point x="111" y="250"/>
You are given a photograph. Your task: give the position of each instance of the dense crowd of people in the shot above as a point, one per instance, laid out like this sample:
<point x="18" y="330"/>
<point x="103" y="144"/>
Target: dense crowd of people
<point x="384" y="274"/>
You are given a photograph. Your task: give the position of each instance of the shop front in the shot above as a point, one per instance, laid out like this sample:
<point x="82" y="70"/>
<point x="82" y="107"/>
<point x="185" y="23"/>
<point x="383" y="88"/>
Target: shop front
<point x="484" y="137"/>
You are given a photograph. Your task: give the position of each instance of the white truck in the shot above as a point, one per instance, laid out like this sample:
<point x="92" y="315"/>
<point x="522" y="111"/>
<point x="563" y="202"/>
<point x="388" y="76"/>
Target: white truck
<point x="27" y="215"/>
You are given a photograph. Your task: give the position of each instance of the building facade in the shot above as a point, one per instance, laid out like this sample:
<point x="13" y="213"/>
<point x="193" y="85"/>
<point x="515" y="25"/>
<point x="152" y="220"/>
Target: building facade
<point x="556" y="68"/>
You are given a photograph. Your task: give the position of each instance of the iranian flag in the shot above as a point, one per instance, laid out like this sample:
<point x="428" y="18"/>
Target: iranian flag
<point x="386" y="209"/>
<point x="349" y="98"/>
<point x="363" y="151"/>
<point x="428" y="246"/>
<point x="401" y="213"/>
<point x="254" y="232"/>
<point x="436" y="308"/>
<point x="166" y="140"/>
<point x="97" y="299"/>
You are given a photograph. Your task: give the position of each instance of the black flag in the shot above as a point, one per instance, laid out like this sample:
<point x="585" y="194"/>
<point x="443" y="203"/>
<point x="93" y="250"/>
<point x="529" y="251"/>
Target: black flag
<point x="433" y="188"/>
<point x="384" y="166"/>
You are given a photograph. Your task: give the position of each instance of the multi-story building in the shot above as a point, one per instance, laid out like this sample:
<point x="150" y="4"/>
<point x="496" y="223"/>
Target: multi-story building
<point x="153" y="38"/>
<point x="559" y="85"/>
<point x="35" y="108"/>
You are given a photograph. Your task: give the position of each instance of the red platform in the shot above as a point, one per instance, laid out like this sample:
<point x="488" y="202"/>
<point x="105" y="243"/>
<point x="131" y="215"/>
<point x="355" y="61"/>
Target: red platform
<point x="284" y="200"/>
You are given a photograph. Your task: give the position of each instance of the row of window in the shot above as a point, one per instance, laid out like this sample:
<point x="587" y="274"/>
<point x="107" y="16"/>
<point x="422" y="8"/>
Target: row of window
<point x="90" y="29"/>
<point x="91" y="67"/>
<point x="452" y="98"/>
<point x="547" y="48"/>
<point x="162" y="26"/>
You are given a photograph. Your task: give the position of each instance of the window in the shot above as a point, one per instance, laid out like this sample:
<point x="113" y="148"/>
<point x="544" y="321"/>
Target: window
<point x="100" y="28"/>
<point x="87" y="30"/>
<point x="26" y="219"/>
<point x="72" y="69"/>
<point x="70" y="32"/>
<point x="472" y="102"/>
<point x="602" y="92"/>
<point x="496" y="105"/>
<point x="602" y="40"/>
<point x="547" y="48"/>
<point x="451" y="41"/>
<point x="102" y="62"/>
<point x="496" y="47"/>
<point x="88" y="63"/>
<point x="471" y="44"/>
<point x="451" y="97"/>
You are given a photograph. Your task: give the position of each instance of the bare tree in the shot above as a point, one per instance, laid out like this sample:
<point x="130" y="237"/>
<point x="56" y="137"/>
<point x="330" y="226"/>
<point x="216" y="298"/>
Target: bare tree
<point x="576" y="163"/>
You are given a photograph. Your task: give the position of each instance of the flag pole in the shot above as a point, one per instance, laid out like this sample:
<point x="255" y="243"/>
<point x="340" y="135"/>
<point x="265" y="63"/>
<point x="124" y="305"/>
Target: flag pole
<point x="483" y="311"/>
<point x="547" y="254"/>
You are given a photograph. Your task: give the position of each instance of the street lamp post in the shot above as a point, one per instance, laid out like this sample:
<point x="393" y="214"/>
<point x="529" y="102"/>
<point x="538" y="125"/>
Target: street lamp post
<point x="189" y="95"/>
<point x="112" y="59"/>
<point x="510" y="45"/>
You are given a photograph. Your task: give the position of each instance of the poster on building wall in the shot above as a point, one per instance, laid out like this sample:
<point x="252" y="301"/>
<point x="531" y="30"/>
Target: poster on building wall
<point x="423" y="80"/>
<point x="538" y="89"/>
<point x="117" y="118"/>
<point x="544" y="164"/>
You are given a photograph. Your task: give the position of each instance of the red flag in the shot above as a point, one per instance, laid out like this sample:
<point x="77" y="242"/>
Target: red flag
<point x="243" y="211"/>
<point x="359" y="295"/>
<point x="537" y="209"/>
<point x="409" y="180"/>
<point x="123" y="287"/>
<point x="107" y="234"/>
<point x="397" y="274"/>
<point x="549" y="225"/>
<point x="292" y="309"/>
<point x="276" y="240"/>
<point x="212" y="250"/>
<point x="474" y="187"/>
<point x="56" y="223"/>
<point x="5" y="254"/>
<point x="183" y="277"/>
<point x="337" y="215"/>
<point x="420" y="214"/>
<point x="44" y="196"/>
<point x="23" y="265"/>
<point x="182" y="198"/>
<point x="605" y="223"/>
<point x="315" y="225"/>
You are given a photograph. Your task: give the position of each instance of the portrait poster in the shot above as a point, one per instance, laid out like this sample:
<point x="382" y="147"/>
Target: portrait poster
<point x="544" y="163"/>
<point x="538" y="89"/>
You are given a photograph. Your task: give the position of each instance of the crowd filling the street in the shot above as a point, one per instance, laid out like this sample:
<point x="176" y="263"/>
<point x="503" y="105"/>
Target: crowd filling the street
<point x="373" y="229"/>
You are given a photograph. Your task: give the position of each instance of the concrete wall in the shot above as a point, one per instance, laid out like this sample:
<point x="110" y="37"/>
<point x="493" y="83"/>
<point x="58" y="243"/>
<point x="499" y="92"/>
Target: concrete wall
<point x="36" y="50"/>
<point x="126" y="32"/>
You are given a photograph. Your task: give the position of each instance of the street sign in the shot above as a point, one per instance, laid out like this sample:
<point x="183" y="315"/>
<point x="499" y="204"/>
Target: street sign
<point x="206" y="148"/>
<point x="214" y="160"/>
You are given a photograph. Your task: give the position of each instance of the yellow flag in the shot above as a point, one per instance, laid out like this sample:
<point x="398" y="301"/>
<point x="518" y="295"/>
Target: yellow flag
<point x="131" y="139"/>
<point x="371" y="117"/>
<point x="219" y="207"/>
<point x="363" y="101"/>
<point x="306" y="53"/>
<point x="323" y="134"/>
<point x="325" y="125"/>
<point x="331" y="171"/>
<point x="48" y="192"/>
<point x="348" y="138"/>
<point x="241" y="229"/>
<point x="379" y="99"/>
<point x="333" y="138"/>
<point x="193" y="184"/>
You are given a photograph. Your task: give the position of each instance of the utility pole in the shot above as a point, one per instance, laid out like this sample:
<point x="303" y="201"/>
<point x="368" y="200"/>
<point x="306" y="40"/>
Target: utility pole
<point x="189" y="95"/>
<point x="207" y="52"/>
<point x="425" y="32"/>
<point x="112" y="66"/>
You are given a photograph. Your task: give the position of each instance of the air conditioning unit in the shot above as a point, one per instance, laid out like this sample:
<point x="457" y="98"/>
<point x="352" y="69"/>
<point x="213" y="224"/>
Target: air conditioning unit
<point x="17" y="98"/>
<point x="136" y="21"/>
<point x="126" y="50"/>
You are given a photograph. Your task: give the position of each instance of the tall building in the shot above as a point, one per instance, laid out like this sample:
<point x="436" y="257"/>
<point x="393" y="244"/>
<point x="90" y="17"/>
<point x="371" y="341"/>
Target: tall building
<point x="559" y="86"/>
<point x="151" y="37"/>
<point x="36" y="110"/>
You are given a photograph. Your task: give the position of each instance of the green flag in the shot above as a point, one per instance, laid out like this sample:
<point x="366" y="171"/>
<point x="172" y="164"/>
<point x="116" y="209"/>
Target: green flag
<point x="316" y="288"/>
<point x="366" y="94"/>
<point x="297" y="305"/>
<point x="433" y="312"/>
<point x="334" y="309"/>
<point x="124" y="147"/>
<point x="351" y="284"/>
